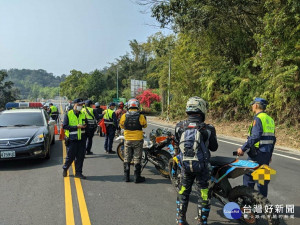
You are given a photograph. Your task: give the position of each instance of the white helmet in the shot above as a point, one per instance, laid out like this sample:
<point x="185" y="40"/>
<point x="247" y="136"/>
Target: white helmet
<point x="97" y="104"/>
<point x="196" y="105"/>
<point x="133" y="103"/>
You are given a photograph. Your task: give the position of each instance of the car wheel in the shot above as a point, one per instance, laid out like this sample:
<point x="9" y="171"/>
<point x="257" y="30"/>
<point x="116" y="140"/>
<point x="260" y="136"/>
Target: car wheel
<point x="53" y="140"/>
<point x="48" y="152"/>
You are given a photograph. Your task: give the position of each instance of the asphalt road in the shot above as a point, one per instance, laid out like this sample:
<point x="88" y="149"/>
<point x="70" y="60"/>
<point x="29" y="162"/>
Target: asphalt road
<point x="34" y="191"/>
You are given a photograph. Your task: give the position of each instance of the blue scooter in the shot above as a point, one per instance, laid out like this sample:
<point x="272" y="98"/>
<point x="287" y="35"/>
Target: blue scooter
<point x="221" y="169"/>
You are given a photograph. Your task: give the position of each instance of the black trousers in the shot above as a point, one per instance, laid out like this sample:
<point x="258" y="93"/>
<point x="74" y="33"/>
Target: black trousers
<point x="75" y="151"/>
<point x="184" y="194"/>
<point x="89" y="139"/>
<point x="189" y="178"/>
<point x="109" y="137"/>
<point x="261" y="158"/>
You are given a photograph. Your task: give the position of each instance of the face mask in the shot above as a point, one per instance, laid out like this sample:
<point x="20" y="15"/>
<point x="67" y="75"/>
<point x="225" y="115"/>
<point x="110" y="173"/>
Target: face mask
<point x="79" y="108"/>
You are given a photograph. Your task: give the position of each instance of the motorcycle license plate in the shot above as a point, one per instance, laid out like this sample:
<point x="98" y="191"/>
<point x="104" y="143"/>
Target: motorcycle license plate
<point x="8" y="154"/>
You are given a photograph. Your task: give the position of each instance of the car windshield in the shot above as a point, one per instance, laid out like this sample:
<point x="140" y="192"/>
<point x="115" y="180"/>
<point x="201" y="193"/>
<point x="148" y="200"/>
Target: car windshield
<point x="21" y="119"/>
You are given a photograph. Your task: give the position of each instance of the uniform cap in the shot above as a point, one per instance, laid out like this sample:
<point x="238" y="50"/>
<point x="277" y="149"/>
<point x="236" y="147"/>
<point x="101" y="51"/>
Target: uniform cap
<point x="112" y="104"/>
<point x="261" y="101"/>
<point x="78" y="100"/>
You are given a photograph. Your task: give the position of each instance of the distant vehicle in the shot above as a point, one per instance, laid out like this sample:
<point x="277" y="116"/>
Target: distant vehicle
<point x="22" y="104"/>
<point x="25" y="133"/>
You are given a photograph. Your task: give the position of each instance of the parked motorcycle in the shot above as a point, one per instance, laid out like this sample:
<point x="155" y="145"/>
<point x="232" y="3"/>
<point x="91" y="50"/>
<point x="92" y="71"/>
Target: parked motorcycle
<point x="158" y="154"/>
<point x="223" y="168"/>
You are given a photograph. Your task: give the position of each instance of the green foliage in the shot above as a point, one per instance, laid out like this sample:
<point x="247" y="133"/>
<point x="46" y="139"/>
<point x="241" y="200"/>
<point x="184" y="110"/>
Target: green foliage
<point x="226" y="51"/>
<point x="75" y="85"/>
<point x="7" y="92"/>
<point x="229" y="52"/>
<point x="35" y="84"/>
<point x="156" y="107"/>
<point x="279" y="58"/>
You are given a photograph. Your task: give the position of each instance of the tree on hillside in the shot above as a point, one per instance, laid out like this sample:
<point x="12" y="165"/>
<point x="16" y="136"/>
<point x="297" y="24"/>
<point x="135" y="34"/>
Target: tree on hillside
<point x="75" y="85"/>
<point x="34" y="83"/>
<point x="7" y="92"/>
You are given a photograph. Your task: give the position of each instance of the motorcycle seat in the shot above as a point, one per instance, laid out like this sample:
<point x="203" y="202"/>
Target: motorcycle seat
<point x="221" y="161"/>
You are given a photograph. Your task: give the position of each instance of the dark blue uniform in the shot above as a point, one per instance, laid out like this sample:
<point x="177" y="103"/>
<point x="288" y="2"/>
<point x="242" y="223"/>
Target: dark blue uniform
<point x="75" y="148"/>
<point x="110" y="133"/>
<point x="263" y="154"/>
<point x="90" y="133"/>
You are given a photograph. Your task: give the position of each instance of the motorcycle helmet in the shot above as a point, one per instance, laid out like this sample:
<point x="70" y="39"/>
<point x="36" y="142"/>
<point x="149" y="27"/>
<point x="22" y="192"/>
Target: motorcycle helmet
<point x="196" y="105"/>
<point x="97" y="104"/>
<point x="133" y="104"/>
<point x="121" y="105"/>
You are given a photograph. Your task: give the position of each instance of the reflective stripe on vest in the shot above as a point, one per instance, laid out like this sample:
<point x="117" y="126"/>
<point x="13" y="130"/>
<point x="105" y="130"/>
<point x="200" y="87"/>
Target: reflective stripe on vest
<point x="268" y="125"/>
<point x="74" y="121"/>
<point x="91" y="119"/>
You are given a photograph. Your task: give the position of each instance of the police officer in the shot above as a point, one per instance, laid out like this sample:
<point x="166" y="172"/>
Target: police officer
<point x="111" y="124"/>
<point x="99" y="111"/>
<point x="45" y="107"/>
<point x="196" y="110"/>
<point x="74" y="124"/>
<point x="133" y="122"/>
<point x="92" y="118"/>
<point x="119" y="112"/>
<point x="261" y="141"/>
<point x="53" y="111"/>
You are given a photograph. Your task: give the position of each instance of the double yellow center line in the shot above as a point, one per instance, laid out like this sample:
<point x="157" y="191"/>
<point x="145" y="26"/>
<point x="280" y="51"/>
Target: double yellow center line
<point x="85" y="218"/>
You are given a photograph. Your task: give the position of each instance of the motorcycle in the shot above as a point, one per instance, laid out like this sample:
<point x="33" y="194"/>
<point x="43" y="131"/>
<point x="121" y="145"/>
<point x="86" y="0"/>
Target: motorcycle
<point x="223" y="168"/>
<point x="158" y="154"/>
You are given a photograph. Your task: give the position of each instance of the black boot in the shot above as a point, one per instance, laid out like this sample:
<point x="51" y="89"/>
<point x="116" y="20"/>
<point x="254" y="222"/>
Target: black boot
<point x="182" y="205"/>
<point x="126" y="172"/>
<point x="137" y="174"/>
<point x="203" y="212"/>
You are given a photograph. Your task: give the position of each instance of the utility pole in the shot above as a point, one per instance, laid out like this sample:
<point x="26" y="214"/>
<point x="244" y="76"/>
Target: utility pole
<point x="169" y="86"/>
<point x="117" y="83"/>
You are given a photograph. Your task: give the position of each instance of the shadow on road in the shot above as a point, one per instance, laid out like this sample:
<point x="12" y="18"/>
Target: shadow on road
<point x="28" y="164"/>
<point x="106" y="156"/>
<point x="119" y="178"/>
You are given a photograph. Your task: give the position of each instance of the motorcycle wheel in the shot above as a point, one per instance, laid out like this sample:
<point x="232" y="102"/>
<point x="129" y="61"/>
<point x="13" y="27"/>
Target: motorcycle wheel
<point x="164" y="158"/>
<point x="120" y="152"/>
<point x="176" y="179"/>
<point x="245" y="196"/>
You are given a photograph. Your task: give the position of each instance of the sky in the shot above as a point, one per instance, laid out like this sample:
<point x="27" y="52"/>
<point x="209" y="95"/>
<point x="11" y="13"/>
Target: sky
<point x="61" y="35"/>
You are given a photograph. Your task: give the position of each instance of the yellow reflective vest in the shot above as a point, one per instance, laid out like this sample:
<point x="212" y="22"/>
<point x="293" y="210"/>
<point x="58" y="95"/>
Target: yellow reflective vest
<point x="90" y="118"/>
<point x="268" y="125"/>
<point x="74" y="121"/>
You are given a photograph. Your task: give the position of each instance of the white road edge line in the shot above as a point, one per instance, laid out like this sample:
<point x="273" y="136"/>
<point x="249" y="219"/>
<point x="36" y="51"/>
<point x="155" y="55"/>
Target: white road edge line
<point x="274" y="153"/>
